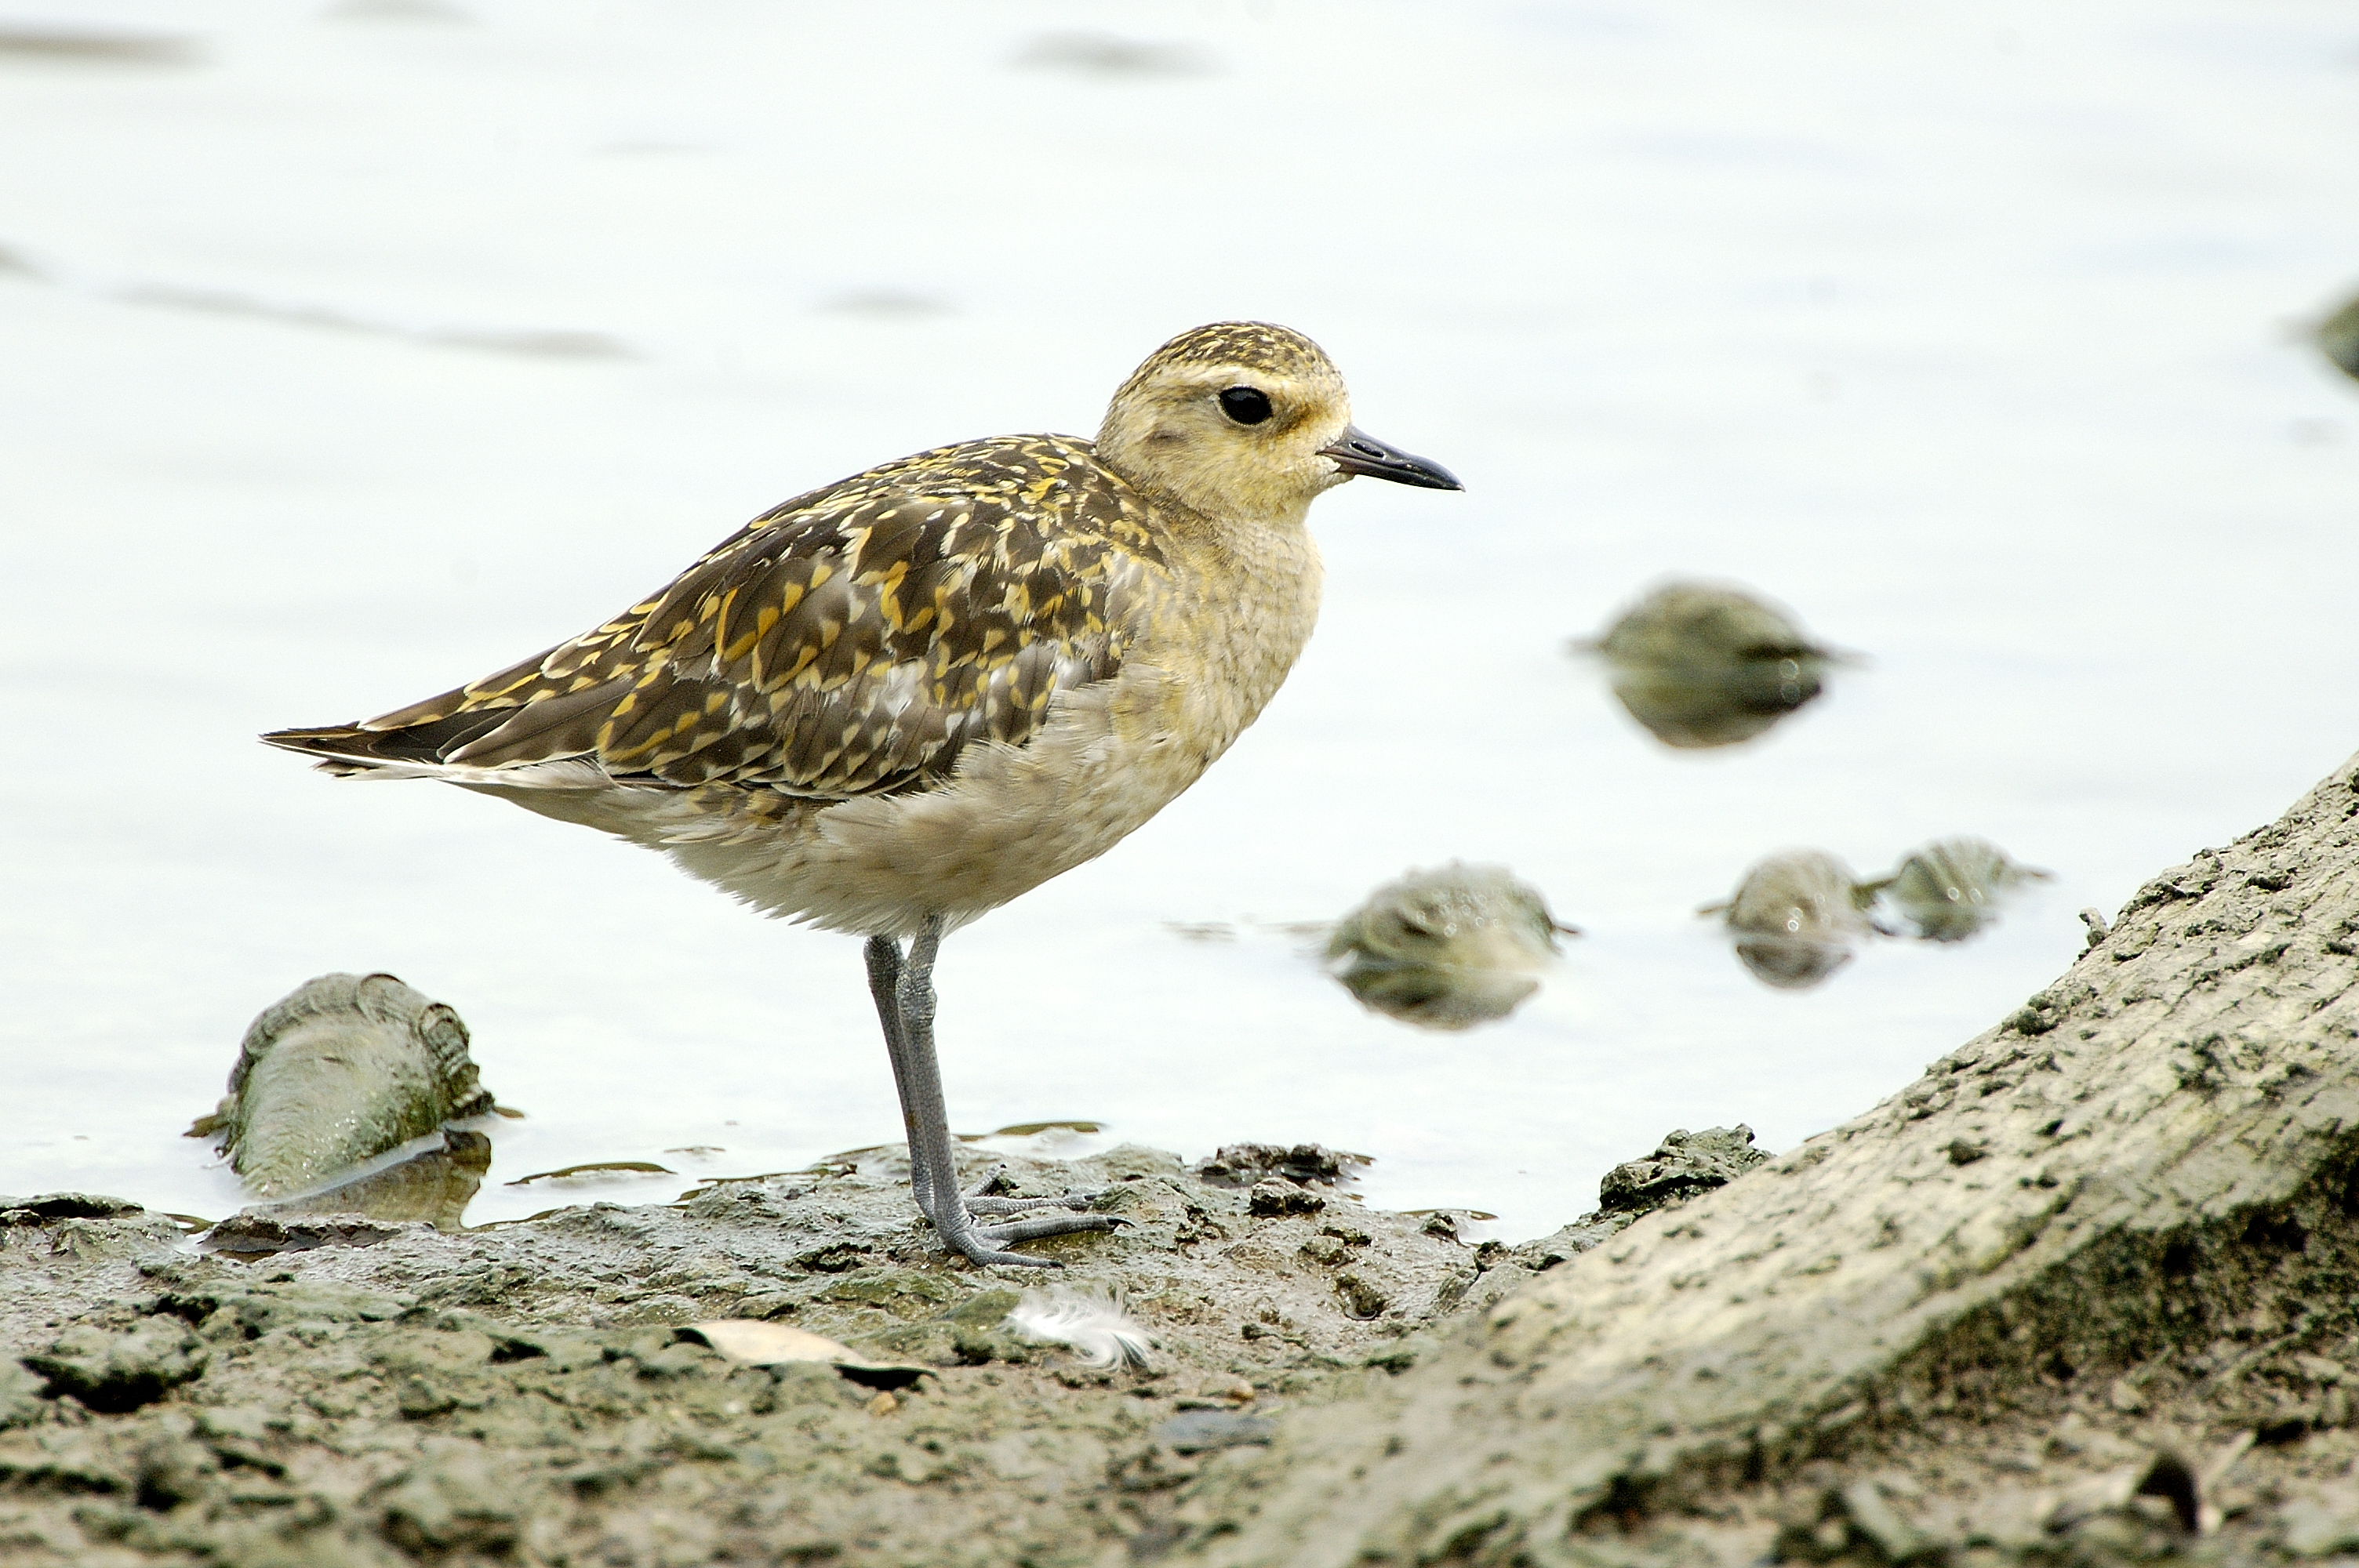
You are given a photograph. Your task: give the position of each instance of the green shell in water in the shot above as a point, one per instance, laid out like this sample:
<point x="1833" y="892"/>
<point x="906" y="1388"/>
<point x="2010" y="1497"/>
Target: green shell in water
<point x="345" y="1068"/>
<point x="1796" y="918"/>
<point x="1446" y="948"/>
<point x="1701" y="666"/>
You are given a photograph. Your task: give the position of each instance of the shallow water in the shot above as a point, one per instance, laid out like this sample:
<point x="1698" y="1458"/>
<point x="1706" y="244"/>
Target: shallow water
<point x="352" y="351"/>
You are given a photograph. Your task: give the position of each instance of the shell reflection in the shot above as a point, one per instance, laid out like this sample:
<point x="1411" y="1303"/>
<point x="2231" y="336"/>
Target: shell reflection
<point x="1796" y="917"/>
<point x="1703" y="666"/>
<point x="1446" y="948"/>
<point x="346" y="1070"/>
<point x="1951" y="889"/>
<point x="436" y="1185"/>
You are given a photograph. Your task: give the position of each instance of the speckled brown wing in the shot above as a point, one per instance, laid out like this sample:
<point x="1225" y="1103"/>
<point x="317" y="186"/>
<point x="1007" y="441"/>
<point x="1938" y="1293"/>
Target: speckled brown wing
<point x="851" y="641"/>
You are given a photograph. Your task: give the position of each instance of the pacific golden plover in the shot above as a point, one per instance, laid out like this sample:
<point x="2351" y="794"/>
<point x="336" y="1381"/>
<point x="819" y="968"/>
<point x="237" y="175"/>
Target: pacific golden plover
<point x="893" y="704"/>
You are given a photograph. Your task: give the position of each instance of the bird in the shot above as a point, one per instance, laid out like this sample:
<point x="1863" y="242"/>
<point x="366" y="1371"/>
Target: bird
<point x="890" y="705"/>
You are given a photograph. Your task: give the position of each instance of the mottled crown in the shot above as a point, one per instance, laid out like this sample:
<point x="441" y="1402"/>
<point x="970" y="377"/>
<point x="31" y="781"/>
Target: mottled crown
<point x="1254" y="345"/>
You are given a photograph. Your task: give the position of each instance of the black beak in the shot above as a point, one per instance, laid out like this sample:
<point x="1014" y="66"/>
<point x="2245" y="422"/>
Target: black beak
<point x="1356" y="452"/>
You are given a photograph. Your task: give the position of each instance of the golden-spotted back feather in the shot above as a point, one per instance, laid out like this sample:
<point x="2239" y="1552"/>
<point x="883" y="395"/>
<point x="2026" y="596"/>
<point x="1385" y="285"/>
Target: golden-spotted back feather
<point x="851" y="642"/>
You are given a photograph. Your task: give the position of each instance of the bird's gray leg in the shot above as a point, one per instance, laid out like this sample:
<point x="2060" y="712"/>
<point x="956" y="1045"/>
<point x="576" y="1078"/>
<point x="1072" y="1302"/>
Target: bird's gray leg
<point x="919" y="1074"/>
<point x="884" y="979"/>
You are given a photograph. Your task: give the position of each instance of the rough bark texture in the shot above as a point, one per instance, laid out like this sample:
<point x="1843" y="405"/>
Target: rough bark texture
<point x="2154" y="1152"/>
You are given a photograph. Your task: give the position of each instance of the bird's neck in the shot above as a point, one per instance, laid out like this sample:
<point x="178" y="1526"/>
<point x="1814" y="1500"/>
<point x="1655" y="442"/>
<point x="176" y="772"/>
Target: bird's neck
<point x="1256" y="603"/>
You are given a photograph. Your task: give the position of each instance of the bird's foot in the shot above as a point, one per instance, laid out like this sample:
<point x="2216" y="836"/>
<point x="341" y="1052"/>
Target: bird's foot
<point x="981" y="1200"/>
<point x="974" y="1242"/>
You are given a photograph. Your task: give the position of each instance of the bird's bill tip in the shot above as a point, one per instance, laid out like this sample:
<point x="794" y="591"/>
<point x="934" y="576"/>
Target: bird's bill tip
<point x="1357" y="452"/>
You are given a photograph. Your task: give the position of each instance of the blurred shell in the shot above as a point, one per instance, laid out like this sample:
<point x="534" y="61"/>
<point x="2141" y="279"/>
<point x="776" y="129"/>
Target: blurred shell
<point x="1796" y="918"/>
<point x="1446" y="948"/>
<point x="2338" y="335"/>
<point x="1950" y="888"/>
<point x="1457" y="916"/>
<point x="345" y="1068"/>
<point x="1703" y="666"/>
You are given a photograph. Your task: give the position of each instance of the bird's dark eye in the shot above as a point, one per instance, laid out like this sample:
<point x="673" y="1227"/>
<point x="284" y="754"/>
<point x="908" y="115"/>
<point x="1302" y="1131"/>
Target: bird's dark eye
<point x="1244" y="404"/>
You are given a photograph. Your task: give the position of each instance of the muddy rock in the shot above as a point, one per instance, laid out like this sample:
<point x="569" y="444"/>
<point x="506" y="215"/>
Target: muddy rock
<point x="1684" y="1164"/>
<point x="63" y="1205"/>
<point x="451" y="1498"/>
<point x="117" y="1372"/>
<point x="1304" y="1164"/>
<point x="1201" y="1430"/>
<point x="21" y="1389"/>
<point x="249" y="1235"/>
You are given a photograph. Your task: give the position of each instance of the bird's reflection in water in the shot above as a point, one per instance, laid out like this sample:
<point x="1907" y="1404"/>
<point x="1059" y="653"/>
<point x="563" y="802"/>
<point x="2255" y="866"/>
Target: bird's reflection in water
<point x="1792" y="963"/>
<point x="1434" y="997"/>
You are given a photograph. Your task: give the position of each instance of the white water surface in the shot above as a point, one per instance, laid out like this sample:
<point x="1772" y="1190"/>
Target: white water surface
<point x="1971" y="332"/>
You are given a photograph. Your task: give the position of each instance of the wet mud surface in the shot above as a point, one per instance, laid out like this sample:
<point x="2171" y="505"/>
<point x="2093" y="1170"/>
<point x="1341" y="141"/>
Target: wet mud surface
<point x="335" y="1389"/>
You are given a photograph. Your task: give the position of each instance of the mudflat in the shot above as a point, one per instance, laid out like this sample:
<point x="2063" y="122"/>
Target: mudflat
<point x="2086" y="1292"/>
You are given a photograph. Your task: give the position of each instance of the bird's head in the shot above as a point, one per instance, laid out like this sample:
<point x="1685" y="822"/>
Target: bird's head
<point x="1245" y="419"/>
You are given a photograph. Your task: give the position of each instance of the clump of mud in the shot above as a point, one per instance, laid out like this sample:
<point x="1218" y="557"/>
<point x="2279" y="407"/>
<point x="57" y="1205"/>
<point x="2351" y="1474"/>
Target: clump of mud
<point x="1799" y="916"/>
<point x="1304" y="1164"/>
<point x="332" y="1083"/>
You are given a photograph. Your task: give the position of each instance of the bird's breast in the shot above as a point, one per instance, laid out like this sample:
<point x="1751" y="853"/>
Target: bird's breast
<point x="1224" y="640"/>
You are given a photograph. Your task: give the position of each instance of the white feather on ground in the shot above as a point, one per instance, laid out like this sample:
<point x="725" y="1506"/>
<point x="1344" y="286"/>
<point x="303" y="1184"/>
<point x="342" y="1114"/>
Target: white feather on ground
<point x="1091" y="1321"/>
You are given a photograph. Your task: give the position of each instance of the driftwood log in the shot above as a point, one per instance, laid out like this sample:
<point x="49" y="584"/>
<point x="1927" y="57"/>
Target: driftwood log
<point x="2154" y="1161"/>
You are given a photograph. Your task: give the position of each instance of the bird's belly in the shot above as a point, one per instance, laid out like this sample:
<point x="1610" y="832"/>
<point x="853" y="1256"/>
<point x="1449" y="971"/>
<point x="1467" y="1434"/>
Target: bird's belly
<point x="1011" y="817"/>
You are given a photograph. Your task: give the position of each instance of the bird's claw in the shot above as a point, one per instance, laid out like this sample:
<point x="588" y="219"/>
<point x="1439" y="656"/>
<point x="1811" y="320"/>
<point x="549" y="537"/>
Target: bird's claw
<point x="972" y="1241"/>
